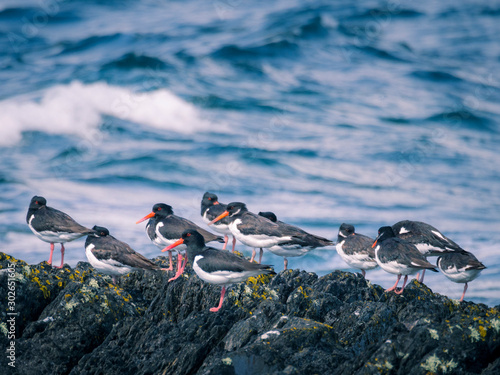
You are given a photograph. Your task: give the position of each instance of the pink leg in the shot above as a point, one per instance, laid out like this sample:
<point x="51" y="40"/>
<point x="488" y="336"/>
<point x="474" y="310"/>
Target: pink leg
<point x="363" y="272"/>
<point x="403" y="288"/>
<point x="171" y="267"/>
<point x="260" y="256"/>
<point x="253" y="255"/>
<point x="226" y="238"/>
<point x="62" y="256"/>
<point x="51" y="253"/>
<point x="223" y="291"/>
<point x="421" y="280"/>
<point x="463" y="294"/>
<point x="184" y="264"/>
<point x="180" y="258"/>
<point x="234" y="243"/>
<point x="179" y="268"/>
<point x="395" y="285"/>
<point x="286" y="263"/>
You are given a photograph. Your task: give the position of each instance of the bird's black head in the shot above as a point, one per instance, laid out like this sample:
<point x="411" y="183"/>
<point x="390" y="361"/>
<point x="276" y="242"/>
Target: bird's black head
<point x="207" y="201"/>
<point x="37" y="202"/>
<point x="269" y="215"/>
<point x="235" y="208"/>
<point x="191" y="238"/>
<point x="162" y="209"/>
<point x="384" y="233"/>
<point x="345" y="230"/>
<point x="100" y="231"/>
<point x="210" y="198"/>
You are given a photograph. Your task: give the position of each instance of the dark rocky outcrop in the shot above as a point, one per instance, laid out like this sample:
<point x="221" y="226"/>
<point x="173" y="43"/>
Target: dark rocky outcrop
<point x="75" y="321"/>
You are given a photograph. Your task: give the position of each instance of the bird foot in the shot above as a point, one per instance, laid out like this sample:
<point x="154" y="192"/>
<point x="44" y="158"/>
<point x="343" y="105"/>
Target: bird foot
<point x="175" y="277"/>
<point x="214" y="309"/>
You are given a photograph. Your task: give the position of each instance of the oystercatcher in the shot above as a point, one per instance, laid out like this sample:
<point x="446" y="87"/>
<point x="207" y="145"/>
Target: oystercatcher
<point x="297" y="248"/>
<point x="356" y="249"/>
<point x="218" y="267"/>
<point x="428" y="240"/>
<point x="258" y="232"/>
<point x="210" y="209"/>
<point x="164" y="228"/>
<point x="113" y="257"/>
<point x="460" y="268"/>
<point x="53" y="226"/>
<point x="397" y="256"/>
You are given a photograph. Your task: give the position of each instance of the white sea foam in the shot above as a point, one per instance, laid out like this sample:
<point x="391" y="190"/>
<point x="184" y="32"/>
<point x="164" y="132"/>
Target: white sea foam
<point x="77" y="107"/>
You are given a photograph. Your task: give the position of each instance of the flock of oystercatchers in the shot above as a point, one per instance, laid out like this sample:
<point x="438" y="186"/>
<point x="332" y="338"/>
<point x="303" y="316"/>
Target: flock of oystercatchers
<point x="400" y="249"/>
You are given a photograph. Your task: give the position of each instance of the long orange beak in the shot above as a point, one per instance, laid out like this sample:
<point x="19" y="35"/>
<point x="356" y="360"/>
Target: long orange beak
<point x="148" y="216"/>
<point x="180" y="241"/>
<point x="374" y="244"/>
<point x="221" y="216"/>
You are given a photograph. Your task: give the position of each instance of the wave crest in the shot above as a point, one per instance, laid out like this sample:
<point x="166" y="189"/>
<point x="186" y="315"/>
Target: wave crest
<point x="77" y="107"/>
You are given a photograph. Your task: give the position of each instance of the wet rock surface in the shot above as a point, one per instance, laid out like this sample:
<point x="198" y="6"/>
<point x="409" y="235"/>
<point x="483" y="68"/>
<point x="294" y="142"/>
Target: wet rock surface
<point x="75" y="321"/>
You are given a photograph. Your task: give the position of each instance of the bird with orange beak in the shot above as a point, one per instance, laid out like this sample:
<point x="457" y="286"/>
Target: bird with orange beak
<point x="216" y="266"/>
<point x="258" y="231"/>
<point x="164" y="228"/>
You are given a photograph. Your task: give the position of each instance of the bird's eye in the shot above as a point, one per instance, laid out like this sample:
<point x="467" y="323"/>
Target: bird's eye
<point x="188" y="235"/>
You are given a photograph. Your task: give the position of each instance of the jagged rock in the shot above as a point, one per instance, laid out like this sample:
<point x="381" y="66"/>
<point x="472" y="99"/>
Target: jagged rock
<point x="78" y="322"/>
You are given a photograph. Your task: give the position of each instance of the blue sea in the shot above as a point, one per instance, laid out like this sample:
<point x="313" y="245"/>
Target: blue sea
<point x="366" y="112"/>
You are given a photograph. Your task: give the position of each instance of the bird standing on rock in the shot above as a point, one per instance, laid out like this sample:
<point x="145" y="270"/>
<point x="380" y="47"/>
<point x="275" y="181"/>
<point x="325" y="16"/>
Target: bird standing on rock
<point x="460" y="268"/>
<point x="216" y="266"/>
<point x="356" y="249"/>
<point x="53" y="226"/>
<point x="397" y="256"/>
<point x="113" y="257"/>
<point x="164" y="228"/>
<point x="296" y="248"/>
<point x="259" y="232"/>
<point x="427" y="239"/>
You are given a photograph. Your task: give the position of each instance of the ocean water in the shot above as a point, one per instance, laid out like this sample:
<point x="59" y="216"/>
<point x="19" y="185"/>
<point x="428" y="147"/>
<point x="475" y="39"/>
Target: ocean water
<point x="365" y="112"/>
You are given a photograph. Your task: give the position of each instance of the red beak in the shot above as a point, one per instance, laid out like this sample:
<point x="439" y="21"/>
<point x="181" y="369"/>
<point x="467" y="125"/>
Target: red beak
<point x="148" y="216"/>
<point x="374" y="244"/>
<point x="180" y="241"/>
<point x="221" y="216"/>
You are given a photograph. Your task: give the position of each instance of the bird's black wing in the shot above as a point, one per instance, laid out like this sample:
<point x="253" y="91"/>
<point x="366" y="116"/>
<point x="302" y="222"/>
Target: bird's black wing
<point x="417" y="232"/>
<point x="175" y="225"/>
<point x="359" y="244"/>
<point x="396" y="249"/>
<point x="50" y="219"/>
<point x="109" y="248"/>
<point x="220" y="260"/>
<point x="466" y="261"/>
